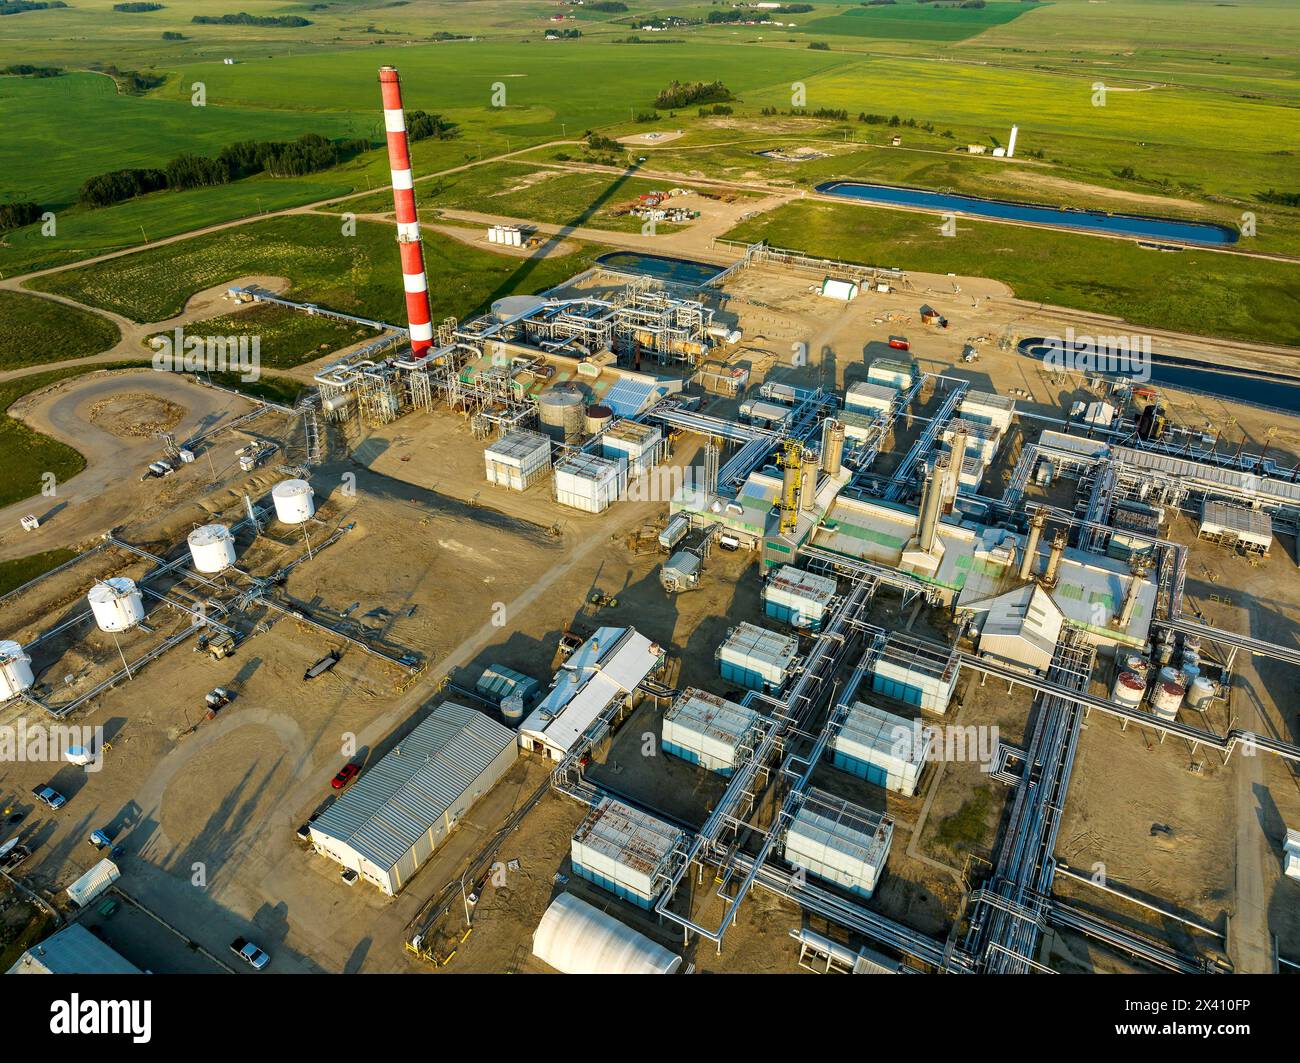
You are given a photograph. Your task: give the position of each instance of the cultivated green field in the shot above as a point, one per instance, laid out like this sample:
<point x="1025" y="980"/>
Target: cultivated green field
<point x="286" y="337"/>
<point x="351" y="273"/>
<point x="911" y="22"/>
<point x="1193" y="291"/>
<point x="35" y="330"/>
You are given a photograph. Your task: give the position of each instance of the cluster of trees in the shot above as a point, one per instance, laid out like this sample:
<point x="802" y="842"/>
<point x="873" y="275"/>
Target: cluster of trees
<point x="172" y="35"/>
<point x="820" y="46"/>
<point x="834" y="113"/>
<point x="600" y="142"/>
<point x="565" y="34"/>
<point x="245" y="19"/>
<point x="610" y="6"/>
<point x="717" y="108"/>
<point x="1282" y="199"/>
<point x="133" y="82"/>
<point x="679" y="94"/>
<point x="26" y="70"/>
<point x="17" y="7"/>
<point x="307" y="154"/>
<point x="878" y="3"/>
<point x="893" y="121"/>
<point x="16" y="215"/>
<point x="634" y="39"/>
<point x="135" y="7"/>
<point x="421" y="125"/>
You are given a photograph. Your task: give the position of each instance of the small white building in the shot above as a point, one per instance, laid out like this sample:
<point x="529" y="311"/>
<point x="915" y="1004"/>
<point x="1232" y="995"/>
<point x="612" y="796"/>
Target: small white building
<point x="840" y="842"/>
<point x="625" y="851"/>
<point x="575" y="937"/>
<point x="518" y="459"/>
<point x="602" y="672"/>
<point x="843" y="290"/>
<point x="402" y="808"/>
<point x="1249" y="529"/>
<point x="755" y="657"/>
<point x="639" y="445"/>
<point x="874" y="398"/>
<point x="882" y="748"/>
<point x="590" y="482"/>
<point x="1019" y="628"/>
<point x="707" y="730"/>
<point x="891" y="372"/>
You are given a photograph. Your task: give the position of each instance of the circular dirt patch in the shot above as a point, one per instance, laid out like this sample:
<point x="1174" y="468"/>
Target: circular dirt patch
<point x="137" y="415"/>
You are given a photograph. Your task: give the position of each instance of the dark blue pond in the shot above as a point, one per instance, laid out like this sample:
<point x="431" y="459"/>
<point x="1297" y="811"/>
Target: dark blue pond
<point x="1243" y="385"/>
<point x="675" y="270"/>
<point x="1096" y="221"/>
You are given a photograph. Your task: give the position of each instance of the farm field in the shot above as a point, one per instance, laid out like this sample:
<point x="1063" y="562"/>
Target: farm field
<point x="912" y="22"/>
<point x="35" y="330"/>
<point x="286" y="338"/>
<point x="1193" y="291"/>
<point x="351" y="273"/>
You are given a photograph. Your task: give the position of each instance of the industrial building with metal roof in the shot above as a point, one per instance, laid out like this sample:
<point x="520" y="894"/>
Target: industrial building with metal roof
<point x="405" y="806"/>
<point x="72" y="950"/>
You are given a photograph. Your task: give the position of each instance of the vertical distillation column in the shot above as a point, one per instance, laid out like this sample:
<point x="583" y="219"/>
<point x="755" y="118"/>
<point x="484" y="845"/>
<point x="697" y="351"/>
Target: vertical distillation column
<point x="408" y="224"/>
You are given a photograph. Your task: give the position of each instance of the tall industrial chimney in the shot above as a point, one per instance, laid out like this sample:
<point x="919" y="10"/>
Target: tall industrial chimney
<point x="832" y="446"/>
<point x="408" y="223"/>
<point x="931" y="503"/>
<point x="955" y="461"/>
<point x="1031" y="546"/>
<point x="1054" y="558"/>
<point x="1011" y="144"/>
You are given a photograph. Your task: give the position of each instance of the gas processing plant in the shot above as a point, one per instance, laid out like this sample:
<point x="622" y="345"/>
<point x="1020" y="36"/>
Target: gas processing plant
<point x="907" y="641"/>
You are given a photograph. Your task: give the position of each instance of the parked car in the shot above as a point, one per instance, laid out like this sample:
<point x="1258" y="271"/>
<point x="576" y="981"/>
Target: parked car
<point x="346" y="774"/>
<point x="249" y="953"/>
<point x="48" y="795"/>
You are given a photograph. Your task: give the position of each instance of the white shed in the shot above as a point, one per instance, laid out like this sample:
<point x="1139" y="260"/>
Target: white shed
<point x="93" y="883"/>
<point x="1020" y="627"/>
<point x="843" y="290"/>
<point x="576" y="938"/>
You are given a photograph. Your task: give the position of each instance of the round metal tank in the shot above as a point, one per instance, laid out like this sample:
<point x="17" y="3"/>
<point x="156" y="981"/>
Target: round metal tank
<point x="1134" y="662"/>
<point x="294" y="501"/>
<point x="597" y="418"/>
<point x="116" y="604"/>
<point x="515" y="305"/>
<point x="512" y="710"/>
<point x="1169" y="674"/>
<point x="1188" y="674"/>
<point x="212" y="547"/>
<point x="1128" y="689"/>
<point x="335" y="403"/>
<point x="1200" y="693"/>
<point x="15" y="670"/>
<point x="1167" y="699"/>
<point x="562" y="414"/>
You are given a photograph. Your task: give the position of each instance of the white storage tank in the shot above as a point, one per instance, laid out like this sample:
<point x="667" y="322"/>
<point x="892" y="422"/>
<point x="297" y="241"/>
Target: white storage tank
<point x="294" y="502"/>
<point x="15" y="670"/>
<point x="625" y="851"/>
<point x="882" y="748"/>
<point x="212" y="547"/>
<point x="1128" y="689"/>
<point x="1201" y="693"/>
<point x="116" y="603"/>
<point x="1167" y="699"/>
<point x="840" y="842"/>
<point x="707" y="730"/>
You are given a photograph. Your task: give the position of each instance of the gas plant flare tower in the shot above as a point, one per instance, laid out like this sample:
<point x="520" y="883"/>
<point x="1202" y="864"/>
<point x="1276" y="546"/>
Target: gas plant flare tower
<point x="408" y="224"/>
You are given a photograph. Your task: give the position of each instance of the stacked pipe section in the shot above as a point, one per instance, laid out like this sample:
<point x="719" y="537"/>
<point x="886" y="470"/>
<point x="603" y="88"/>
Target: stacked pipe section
<point x="414" y="280"/>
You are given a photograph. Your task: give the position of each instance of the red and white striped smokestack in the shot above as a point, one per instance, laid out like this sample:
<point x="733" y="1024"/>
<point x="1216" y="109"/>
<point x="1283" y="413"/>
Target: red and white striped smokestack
<point x="408" y="223"/>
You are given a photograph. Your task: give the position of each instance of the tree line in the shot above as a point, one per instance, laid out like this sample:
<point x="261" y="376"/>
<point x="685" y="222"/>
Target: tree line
<point x="245" y="19"/>
<point x="679" y="94"/>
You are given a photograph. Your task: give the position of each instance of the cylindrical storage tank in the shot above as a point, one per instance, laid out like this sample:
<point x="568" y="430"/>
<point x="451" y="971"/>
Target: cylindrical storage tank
<point x="1128" y="689"/>
<point x="597" y="418"/>
<point x="335" y="403"/>
<point x="212" y="547"/>
<point x="15" y="670"/>
<point x="1188" y="674"/>
<point x="512" y="710"/>
<point x="1167" y="699"/>
<point x="1191" y="644"/>
<point x="1133" y="662"/>
<point x="1169" y="674"/>
<point x="562" y="414"/>
<point x="116" y="604"/>
<point x="1201" y="693"/>
<point x="294" y="501"/>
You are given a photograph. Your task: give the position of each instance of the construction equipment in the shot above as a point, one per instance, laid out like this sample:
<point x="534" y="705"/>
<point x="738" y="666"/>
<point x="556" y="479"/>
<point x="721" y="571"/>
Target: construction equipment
<point x="600" y="601"/>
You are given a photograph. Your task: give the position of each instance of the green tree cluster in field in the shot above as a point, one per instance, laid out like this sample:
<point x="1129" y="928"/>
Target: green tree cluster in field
<point x="420" y="125"/>
<point x="310" y="153"/>
<point x="16" y="215"/>
<point x="133" y="82"/>
<point x="26" y="70"/>
<point x="609" y="6"/>
<point x="245" y="19"/>
<point x="17" y="7"/>
<point x="136" y="6"/>
<point x="680" y="94"/>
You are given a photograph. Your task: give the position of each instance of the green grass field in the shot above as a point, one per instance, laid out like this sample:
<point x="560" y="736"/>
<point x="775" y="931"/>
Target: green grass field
<point x="35" y="330"/>
<point x="912" y="22"/>
<point x="25" y="569"/>
<point x="286" y="337"/>
<point x="352" y="273"/>
<point x="1194" y="291"/>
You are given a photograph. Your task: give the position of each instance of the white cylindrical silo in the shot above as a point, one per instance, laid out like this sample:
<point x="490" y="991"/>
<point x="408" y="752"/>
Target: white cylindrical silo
<point x="212" y="547"/>
<point x="294" y="501"/>
<point x="1128" y="689"/>
<point x="116" y="603"/>
<point x="15" y="670"/>
<point x="1167" y="699"/>
<point x="1201" y="693"/>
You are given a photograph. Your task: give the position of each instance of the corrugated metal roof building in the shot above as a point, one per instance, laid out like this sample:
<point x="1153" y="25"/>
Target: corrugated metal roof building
<point x="404" y="807"/>
<point x="73" y="950"/>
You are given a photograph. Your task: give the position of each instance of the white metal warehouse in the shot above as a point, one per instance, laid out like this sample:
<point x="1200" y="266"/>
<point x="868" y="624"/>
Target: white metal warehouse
<point x="576" y="938"/>
<point x="403" y="808"/>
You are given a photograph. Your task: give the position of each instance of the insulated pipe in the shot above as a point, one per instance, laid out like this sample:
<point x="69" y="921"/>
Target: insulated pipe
<point x="1125" y="614"/>
<point x="1030" y="555"/>
<point x="414" y="280"/>
<point x="955" y="461"/>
